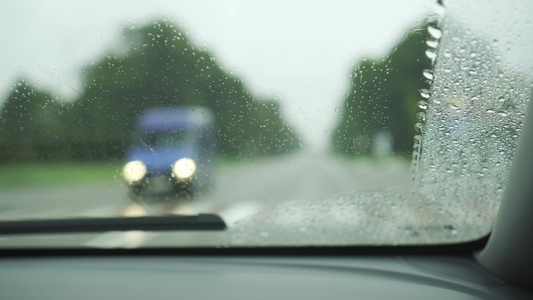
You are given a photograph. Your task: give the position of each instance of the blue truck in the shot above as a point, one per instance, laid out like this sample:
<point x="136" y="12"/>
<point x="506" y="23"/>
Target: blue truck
<point x="172" y="152"/>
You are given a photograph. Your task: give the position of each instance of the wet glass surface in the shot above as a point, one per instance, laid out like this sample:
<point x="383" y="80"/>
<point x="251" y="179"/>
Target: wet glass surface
<point x="340" y="123"/>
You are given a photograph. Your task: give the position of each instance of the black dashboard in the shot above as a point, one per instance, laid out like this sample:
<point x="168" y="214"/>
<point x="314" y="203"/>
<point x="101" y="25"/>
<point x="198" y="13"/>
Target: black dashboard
<point x="253" y="277"/>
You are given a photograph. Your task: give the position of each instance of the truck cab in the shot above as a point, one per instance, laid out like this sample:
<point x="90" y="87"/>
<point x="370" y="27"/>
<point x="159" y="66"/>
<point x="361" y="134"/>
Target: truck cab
<point x="172" y="152"/>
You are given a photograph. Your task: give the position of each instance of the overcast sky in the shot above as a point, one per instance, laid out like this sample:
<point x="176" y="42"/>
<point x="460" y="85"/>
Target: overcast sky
<point x="299" y="52"/>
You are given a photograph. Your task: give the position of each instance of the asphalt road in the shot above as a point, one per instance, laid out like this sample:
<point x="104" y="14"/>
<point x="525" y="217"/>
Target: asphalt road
<point x="261" y="183"/>
<point x="242" y="190"/>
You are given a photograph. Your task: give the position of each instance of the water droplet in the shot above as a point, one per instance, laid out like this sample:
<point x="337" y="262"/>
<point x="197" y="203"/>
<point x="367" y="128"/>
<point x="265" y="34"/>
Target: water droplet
<point x="422" y="104"/>
<point x="424" y="93"/>
<point x="432" y="43"/>
<point x="503" y="114"/>
<point x="435" y="32"/>
<point x="428" y="74"/>
<point x="421" y="116"/>
<point x="431" y="54"/>
<point x="419" y="127"/>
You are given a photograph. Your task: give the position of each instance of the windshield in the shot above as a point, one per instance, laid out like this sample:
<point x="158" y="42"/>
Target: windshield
<point x="167" y="138"/>
<point x="324" y="123"/>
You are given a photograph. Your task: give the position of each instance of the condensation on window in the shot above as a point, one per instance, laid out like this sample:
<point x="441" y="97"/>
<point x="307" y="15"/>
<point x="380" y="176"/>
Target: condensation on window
<point x="480" y="86"/>
<point x="470" y="112"/>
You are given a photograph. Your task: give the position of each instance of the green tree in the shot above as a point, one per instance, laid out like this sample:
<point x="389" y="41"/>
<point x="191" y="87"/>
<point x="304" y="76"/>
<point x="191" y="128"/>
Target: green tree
<point x="384" y="96"/>
<point x="30" y="121"/>
<point x="161" y="68"/>
<point x="157" y="66"/>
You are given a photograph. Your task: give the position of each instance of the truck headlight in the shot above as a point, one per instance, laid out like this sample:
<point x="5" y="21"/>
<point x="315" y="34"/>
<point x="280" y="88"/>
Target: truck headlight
<point x="184" y="168"/>
<point x="134" y="171"/>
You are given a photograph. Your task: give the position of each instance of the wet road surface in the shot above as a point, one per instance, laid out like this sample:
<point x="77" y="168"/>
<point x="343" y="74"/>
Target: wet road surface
<point x="242" y="190"/>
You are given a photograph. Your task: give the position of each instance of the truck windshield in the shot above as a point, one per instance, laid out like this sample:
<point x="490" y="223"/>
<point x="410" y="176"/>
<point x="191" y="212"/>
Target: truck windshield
<point x="173" y="137"/>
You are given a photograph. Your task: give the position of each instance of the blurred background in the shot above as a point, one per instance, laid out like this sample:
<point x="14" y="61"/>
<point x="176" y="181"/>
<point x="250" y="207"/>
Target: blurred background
<point x="297" y="58"/>
<point x="403" y="114"/>
<point x="307" y="101"/>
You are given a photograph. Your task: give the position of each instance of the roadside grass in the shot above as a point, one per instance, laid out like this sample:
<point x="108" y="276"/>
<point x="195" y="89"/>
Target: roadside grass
<point x="76" y="173"/>
<point x="60" y="173"/>
<point x="68" y="173"/>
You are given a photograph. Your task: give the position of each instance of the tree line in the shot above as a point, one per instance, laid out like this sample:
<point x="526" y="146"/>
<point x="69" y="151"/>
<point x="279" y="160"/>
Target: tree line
<point x="383" y="98"/>
<point x="158" y="67"/>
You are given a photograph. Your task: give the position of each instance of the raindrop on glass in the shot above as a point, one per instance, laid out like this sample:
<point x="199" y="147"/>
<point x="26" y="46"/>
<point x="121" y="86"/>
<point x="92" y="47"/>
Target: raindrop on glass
<point x="424" y="93"/>
<point x="432" y="43"/>
<point x="435" y="32"/>
<point x="423" y="104"/>
<point x="428" y="74"/>
<point x="431" y="54"/>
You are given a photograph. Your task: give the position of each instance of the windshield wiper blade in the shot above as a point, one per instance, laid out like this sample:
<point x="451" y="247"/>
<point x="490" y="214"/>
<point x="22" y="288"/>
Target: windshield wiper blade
<point x="148" y="223"/>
